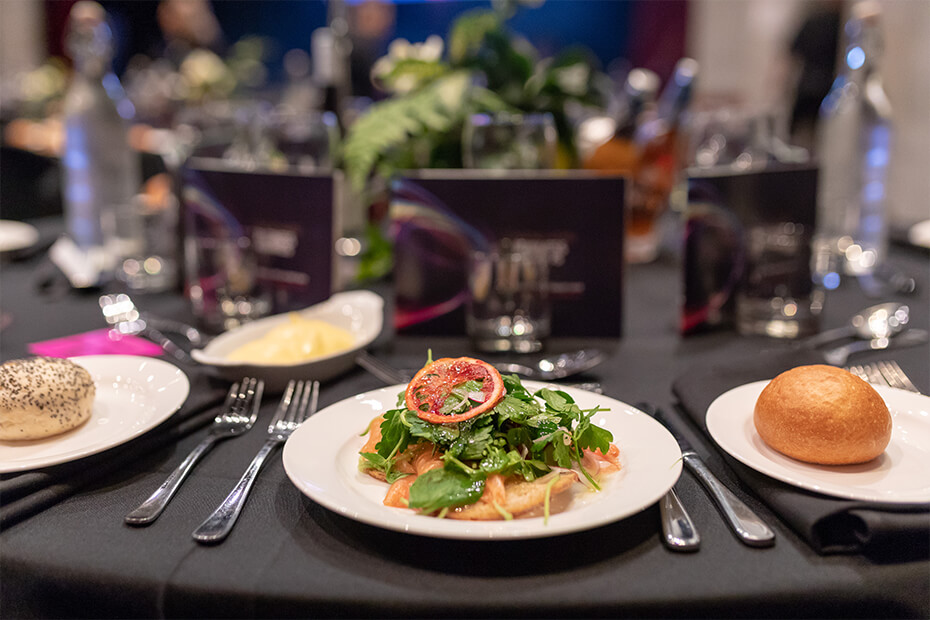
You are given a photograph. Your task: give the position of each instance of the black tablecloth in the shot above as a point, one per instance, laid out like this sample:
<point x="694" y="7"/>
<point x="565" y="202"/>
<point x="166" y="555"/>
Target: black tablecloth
<point x="289" y="556"/>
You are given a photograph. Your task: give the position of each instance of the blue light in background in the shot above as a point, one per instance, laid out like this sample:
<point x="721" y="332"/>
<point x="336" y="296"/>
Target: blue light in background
<point x="873" y="191"/>
<point x="877" y="157"/>
<point x="79" y="194"/>
<point x="75" y="159"/>
<point x="872" y="223"/>
<point x="855" y="57"/>
<point x="831" y="280"/>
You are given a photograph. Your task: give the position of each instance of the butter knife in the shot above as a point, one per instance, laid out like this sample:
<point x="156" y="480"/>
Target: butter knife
<point x="746" y="524"/>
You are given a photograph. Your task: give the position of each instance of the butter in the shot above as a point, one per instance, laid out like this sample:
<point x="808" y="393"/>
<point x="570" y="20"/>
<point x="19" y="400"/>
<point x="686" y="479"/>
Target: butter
<point x="298" y="340"/>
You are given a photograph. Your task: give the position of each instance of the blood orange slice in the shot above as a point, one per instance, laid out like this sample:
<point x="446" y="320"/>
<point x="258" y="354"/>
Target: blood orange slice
<point x="428" y="390"/>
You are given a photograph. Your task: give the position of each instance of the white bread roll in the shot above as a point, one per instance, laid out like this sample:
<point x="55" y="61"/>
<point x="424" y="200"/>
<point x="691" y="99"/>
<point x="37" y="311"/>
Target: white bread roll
<point x="43" y="396"/>
<point x="822" y="414"/>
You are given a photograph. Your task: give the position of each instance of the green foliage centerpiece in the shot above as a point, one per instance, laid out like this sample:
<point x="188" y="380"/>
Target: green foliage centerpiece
<point x="487" y="69"/>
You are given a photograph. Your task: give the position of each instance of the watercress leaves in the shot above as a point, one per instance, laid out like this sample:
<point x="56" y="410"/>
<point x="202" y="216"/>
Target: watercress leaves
<point x="592" y="437"/>
<point x="526" y="434"/>
<point x="445" y="488"/>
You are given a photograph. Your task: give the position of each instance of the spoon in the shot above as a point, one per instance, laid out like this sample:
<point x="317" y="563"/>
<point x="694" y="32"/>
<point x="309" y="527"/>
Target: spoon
<point x="391" y="375"/>
<point x="909" y="338"/>
<point x="879" y="321"/>
<point x="125" y="318"/>
<point x="558" y="367"/>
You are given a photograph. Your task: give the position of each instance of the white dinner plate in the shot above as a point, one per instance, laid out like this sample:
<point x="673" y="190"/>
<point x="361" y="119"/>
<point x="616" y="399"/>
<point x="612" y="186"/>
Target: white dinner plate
<point x="134" y="394"/>
<point x="17" y="236"/>
<point x="321" y="459"/>
<point x="899" y="475"/>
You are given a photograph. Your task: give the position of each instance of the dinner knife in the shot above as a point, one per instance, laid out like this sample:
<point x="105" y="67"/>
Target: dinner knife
<point x="746" y="524"/>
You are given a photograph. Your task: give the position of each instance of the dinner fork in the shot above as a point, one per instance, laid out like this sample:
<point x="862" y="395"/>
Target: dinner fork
<point x="298" y="403"/>
<point x="884" y="373"/>
<point x="237" y="416"/>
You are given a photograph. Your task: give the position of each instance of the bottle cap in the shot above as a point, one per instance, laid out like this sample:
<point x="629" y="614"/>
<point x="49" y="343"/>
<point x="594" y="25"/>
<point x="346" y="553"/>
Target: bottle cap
<point x="686" y="70"/>
<point x="866" y="10"/>
<point x="89" y="35"/>
<point x="642" y="81"/>
<point x="87" y="13"/>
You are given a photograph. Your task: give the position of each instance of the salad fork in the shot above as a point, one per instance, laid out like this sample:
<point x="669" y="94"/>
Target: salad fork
<point x="298" y="403"/>
<point x="237" y="416"/>
<point x="884" y="373"/>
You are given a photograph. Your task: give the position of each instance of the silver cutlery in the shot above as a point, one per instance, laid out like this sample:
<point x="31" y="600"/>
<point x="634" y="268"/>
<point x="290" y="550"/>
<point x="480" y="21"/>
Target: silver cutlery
<point x="237" y="416"/>
<point x="678" y="531"/>
<point x="878" y="321"/>
<point x="383" y="371"/>
<point x="299" y="401"/>
<point x="392" y="376"/>
<point x="749" y="528"/>
<point x="125" y="318"/>
<point x="886" y="280"/>
<point x="908" y="338"/>
<point x="588" y="386"/>
<point x="884" y="373"/>
<point x="546" y="369"/>
<point x="558" y="367"/>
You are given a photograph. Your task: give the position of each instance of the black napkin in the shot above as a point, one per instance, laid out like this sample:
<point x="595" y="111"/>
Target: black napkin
<point x="25" y="494"/>
<point x="830" y="525"/>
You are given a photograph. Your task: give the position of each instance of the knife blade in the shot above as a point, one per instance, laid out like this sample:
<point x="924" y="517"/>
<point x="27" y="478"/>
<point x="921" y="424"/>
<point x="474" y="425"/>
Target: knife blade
<point x="749" y="528"/>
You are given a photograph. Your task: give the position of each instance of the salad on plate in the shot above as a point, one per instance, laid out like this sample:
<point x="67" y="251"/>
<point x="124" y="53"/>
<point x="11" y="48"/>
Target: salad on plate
<point x="465" y="442"/>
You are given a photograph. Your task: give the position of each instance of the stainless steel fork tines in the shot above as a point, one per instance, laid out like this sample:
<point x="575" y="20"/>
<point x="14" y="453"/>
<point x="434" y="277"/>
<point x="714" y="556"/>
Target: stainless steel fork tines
<point x="237" y="416"/>
<point x="298" y="403"/>
<point x="884" y="373"/>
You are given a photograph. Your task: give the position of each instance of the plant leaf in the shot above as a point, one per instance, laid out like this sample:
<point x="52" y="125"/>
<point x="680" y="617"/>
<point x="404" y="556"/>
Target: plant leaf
<point x="390" y="125"/>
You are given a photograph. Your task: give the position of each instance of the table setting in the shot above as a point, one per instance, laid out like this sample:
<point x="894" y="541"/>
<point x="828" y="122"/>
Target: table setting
<point x="517" y="337"/>
<point x="313" y="538"/>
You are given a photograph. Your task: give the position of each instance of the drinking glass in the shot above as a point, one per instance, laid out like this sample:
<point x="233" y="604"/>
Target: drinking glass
<point x="224" y="281"/>
<point x="778" y="297"/>
<point x="142" y="236"/>
<point x="509" y="141"/>
<point x="509" y="307"/>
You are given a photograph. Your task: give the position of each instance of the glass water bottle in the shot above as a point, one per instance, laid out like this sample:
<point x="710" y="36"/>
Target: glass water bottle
<point x="101" y="172"/>
<point x="854" y="146"/>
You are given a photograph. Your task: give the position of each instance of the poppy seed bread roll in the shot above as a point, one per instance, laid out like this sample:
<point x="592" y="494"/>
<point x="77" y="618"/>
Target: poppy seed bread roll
<point x="43" y="396"/>
<point x="824" y="415"/>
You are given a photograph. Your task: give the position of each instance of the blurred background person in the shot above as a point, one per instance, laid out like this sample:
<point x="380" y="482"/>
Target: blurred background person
<point x="813" y="51"/>
<point x="187" y="25"/>
<point x="371" y="25"/>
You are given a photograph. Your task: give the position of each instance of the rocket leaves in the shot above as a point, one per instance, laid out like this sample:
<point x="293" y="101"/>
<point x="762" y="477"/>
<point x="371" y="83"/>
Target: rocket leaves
<point x="525" y="434"/>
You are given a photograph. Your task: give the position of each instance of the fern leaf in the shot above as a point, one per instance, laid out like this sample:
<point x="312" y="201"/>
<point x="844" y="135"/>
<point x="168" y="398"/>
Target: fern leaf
<point x="392" y="123"/>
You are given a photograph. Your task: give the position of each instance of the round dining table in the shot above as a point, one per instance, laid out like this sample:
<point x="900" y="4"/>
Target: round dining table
<point x="65" y="550"/>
